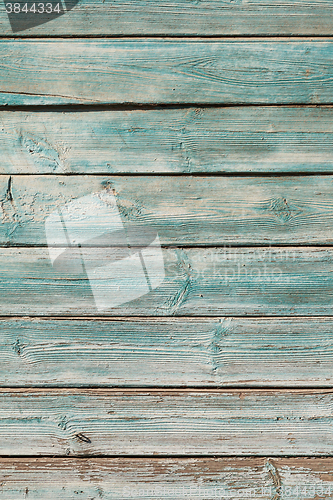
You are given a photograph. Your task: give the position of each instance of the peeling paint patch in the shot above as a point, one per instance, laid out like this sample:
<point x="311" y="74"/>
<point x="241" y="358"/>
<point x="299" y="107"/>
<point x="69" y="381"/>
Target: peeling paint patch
<point x="42" y="153"/>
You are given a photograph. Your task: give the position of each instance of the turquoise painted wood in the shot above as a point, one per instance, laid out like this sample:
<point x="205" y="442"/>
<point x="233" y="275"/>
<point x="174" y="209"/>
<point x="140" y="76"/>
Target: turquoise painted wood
<point x="293" y="281"/>
<point x="254" y="319"/>
<point x="164" y="71"/>
<point x="174" y="352"/>
<point x="94" y="422"/>
<point x="183" y="17"/>
<point x="192" y="140"/>
<point x="112" y="479"/>
<point x="183" y="210"/>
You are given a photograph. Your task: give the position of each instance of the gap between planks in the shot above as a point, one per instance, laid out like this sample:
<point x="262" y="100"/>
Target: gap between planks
<point x="110" y="391"/>
<point x="175" y="38"/>
<point x="132" y="106"/>
<point x="300" y="173"/>
<point x="168" y="36"/>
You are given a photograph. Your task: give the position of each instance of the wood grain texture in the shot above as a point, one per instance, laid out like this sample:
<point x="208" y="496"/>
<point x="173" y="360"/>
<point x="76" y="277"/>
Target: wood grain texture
<point x="183" y="210"/>
<point x="145" y="71"/>
<point x="156" y="478"/>
<point x="114" y="422"/>
<point x="231" y="139"/>
<point x="183" y="17"/>
<point x="167" y="352"/>
<point x="245" y="281"/>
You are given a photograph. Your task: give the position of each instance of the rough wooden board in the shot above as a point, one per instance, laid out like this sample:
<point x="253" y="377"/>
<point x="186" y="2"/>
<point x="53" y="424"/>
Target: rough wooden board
<point x="156" y="478"/>
<point x="231" y="139"/>
<point x="167" y="352"/>
<point x="183" y="17"/>
<point x="183" y="210"/>
<point x="115" y="422"/>
<point x="245" y="281"/>
<point x="144" y="71"/>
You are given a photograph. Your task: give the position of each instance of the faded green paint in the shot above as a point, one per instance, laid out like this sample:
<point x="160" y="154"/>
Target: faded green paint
<point x="154" y="71"/>
<point x="199" y="347"/>
<point x="120" y="422"/>
<point x="257" y="281"/>
<point x="147" y="352"/>
<point x="186" y="17"/>
<point x="229" y="139"/>
<point x="184" y="210"/>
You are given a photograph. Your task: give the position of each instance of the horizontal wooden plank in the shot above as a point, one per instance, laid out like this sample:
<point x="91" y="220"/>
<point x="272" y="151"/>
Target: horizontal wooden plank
<point x="157" y="478"/>
<point x="144" y="71"/>
<point x="114" y="422"/>
<point x="231" y="139"/>
<point x="182" y="17"/>
<point x="183" y="210"/>
<point x="167" y="352"/>
<point x="290" y="281"/>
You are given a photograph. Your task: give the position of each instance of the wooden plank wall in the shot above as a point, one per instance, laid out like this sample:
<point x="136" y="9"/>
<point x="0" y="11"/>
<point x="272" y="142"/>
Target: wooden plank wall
<point x="210" y="122"/>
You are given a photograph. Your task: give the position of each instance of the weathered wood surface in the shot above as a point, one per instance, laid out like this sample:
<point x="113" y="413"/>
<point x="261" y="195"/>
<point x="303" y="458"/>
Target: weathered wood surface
<point x="115" y="422"/>
<point x="150" y="71"/>
<point x="183" y="210"/>
<point x="290" y="281"/>
<point x="167" y="352"/>
<point x="183" y="17"/>
<point x="231" y="139"/>
<point x="119" y="478"/>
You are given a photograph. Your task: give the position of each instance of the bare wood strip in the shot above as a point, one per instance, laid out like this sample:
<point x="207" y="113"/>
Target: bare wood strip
<point x="157" y="478"/>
